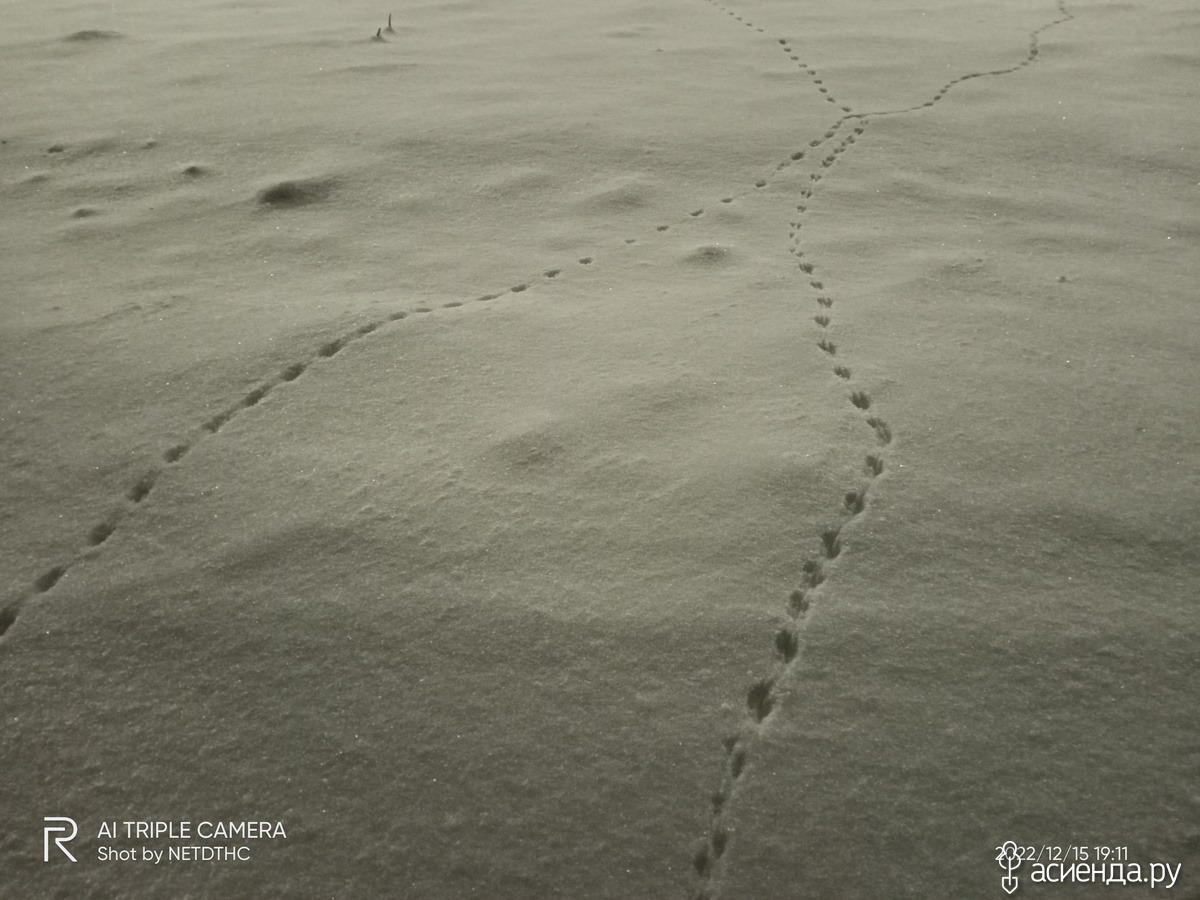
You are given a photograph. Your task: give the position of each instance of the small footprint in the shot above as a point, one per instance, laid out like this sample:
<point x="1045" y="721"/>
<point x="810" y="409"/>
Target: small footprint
<point x="861" y="400"/>
<point x="144" y="486"/>
<point x="881" y="429"/>
<point x="294" y="371"/>
<point x="760" y="699"/>
<point x="719" y="798"/>
<point x="720" y="840"/>
<point x="585" y="261"/>
<point x="856" y="501"/>
<point x="737" y="763"/>
<point x="254" y="396"/>
<point x="101" y="532"/>
<point x="214" y="424"/>
<point x="49" y="579"/>
<point x="787" y="642"/>
<point x="831" y="538"/>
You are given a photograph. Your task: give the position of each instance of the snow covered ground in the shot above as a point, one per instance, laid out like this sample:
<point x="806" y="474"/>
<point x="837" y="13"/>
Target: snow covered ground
<point x="620" y="449"/>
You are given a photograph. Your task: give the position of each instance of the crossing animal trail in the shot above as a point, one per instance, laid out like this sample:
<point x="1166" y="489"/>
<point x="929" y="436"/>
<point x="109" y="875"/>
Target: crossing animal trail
<point x="285" y="197"/>
<point x="814" y="157"/>
<point x="764" y="696"/>
<point x="282" y="198"/>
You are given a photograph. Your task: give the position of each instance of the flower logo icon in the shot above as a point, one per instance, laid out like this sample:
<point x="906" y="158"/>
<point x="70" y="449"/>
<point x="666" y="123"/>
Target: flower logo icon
<point x="1009" y="856"/>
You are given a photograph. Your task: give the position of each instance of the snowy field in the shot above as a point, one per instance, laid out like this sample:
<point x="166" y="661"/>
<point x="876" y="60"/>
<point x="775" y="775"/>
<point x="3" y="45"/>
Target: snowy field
<point x="636" y="448"/>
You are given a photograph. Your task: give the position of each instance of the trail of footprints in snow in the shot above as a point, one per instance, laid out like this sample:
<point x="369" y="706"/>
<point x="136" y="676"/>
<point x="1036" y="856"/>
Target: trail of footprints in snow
<point x="791" y="54"/>
<point x="764" y="694"/>
<point x="1031" y="56"/>
<point x="141" y="489"/>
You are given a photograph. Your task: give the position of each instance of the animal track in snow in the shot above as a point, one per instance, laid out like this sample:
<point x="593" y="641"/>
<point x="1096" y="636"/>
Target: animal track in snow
<point x="788" y="641"/>
<point x="760" y="699"/>
<point x="102" y="531"/>
<point x="831" y="538"/>
<point x="882" y="431"/>
<point x="49" y="579"/>
<point x="763" y="697"/>
<point x="142" y="487"/>
<point x="289" y="194"/>
<point x="176" y="453"/>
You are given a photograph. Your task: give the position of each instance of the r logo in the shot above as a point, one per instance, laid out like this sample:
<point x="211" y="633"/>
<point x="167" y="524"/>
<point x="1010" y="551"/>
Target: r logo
<point x="64" y="826"/>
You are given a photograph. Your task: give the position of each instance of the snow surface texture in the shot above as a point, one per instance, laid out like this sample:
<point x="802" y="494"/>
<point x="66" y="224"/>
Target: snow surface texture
<point x="615" y="449"/>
